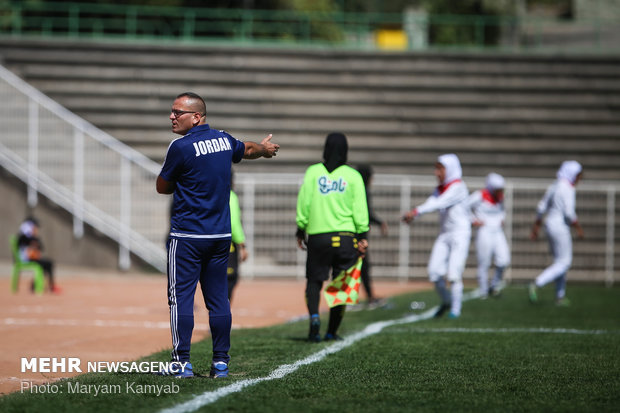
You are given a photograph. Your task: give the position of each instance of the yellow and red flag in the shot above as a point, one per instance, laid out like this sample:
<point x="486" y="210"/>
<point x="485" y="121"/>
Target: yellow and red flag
<point x="345" y="288"/>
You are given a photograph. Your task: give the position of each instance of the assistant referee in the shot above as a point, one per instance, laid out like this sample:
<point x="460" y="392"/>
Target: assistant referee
<point x="333" y="213"/>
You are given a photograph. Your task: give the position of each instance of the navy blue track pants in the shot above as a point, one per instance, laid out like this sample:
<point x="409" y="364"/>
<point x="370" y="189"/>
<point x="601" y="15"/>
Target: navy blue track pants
<point x="190" y="261"/>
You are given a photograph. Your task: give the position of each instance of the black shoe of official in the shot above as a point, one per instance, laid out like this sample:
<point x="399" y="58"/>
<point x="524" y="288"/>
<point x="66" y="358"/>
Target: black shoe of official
<point x="442" y="309"/>
<point x="332" y="337"/>
<point x="315" y="326"/>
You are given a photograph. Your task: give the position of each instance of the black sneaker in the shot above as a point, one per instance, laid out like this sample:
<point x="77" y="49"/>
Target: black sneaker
<point x="332" y="337"/>
<point x="315" y="326"/>
<point x="442" y="309"/>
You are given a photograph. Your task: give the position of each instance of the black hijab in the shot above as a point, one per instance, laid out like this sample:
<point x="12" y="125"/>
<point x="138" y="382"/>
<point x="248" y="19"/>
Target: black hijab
<point x="335" y="152"/>
<point x="366" y="172"/>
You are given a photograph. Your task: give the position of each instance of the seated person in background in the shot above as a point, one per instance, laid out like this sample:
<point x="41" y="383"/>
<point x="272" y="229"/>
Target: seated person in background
<point x="30" y="247"/>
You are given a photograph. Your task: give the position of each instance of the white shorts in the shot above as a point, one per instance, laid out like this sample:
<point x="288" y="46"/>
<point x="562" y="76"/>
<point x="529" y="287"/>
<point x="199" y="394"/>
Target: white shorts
<point x="560" y="244"/>
<point x="449" y="255"/>
<point x="491" y="245"/>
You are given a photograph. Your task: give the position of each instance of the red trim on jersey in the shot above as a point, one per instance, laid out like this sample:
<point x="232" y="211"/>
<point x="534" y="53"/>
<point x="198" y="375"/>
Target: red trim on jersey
<point x="488" y="196"/>
<point x="444" y="187"/>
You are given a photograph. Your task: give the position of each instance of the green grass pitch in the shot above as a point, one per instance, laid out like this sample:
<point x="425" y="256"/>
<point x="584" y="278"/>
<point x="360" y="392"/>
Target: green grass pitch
<point x="502" y="355"/>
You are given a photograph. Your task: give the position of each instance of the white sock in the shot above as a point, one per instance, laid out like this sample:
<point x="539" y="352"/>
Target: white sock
<point x="457" y="297"/>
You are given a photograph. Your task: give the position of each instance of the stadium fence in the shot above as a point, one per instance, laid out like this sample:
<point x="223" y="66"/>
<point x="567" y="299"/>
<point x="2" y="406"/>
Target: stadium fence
<point x="412" y="29"/>
<point x="110" y="186"/>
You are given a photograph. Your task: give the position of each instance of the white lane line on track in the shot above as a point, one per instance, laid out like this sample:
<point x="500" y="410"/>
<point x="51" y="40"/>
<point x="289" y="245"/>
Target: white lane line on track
<point x="92" y="323"/>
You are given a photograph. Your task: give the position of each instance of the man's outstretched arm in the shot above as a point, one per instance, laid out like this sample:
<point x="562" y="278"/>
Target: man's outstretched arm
<point x="265" y="149"/>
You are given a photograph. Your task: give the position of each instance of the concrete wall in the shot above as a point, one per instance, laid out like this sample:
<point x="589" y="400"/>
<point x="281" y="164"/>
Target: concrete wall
<point x="93" y="250"/>
<point x="520" y="115"/>
<point x="596" y="9"/>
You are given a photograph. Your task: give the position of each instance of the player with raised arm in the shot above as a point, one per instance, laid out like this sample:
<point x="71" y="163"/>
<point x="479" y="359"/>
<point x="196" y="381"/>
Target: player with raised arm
<point x="451" y="247"/>
<point x="558" y="204"/>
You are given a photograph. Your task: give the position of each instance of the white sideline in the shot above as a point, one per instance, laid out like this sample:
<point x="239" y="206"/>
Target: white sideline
<point x="212" y="396"/>
<point x="511" y="330"/>
<point x="374" y="328"/>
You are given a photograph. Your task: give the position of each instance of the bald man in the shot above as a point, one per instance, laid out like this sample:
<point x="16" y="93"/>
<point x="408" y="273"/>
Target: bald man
<point x="197" y="171"/>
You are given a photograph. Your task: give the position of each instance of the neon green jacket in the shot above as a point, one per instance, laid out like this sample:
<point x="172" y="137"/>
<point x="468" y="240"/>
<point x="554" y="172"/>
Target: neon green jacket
<point x="332" y="202"/>
<point x="235" y="220"/>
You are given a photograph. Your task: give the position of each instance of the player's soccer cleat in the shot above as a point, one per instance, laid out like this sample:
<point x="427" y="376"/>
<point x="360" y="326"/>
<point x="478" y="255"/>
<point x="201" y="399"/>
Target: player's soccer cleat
<point x="531" y="289"/>
<point x="332" y="337"/>
<point x="453" y="316"/>
<point x="562" y="302"/>
<point x="442" y="309"/>
<point x="176" y="369"/>
<point x="495" y="292"/>
<point x="218" y="369"/>
<point x="315" y="325"/>
<point x="376" y="303"/>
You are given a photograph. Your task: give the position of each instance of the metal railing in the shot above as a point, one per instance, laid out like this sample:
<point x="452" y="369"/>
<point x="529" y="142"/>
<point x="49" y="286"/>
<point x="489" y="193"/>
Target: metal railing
<point x="285" y="27"/>
<point x="268" y="203"/>
<point x="97" y="178"/>
<point x="110" y="186"/>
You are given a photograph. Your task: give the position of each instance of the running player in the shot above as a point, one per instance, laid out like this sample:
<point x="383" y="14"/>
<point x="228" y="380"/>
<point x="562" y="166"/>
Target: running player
<point x="488" y="215"/>
<point x="558" y="204"/>
<point x="197" y="170"/>
<point x="450" y="250"/>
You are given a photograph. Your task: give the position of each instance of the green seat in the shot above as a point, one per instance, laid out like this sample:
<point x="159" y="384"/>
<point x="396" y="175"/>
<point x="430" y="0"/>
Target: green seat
<point x="19" y="266"/>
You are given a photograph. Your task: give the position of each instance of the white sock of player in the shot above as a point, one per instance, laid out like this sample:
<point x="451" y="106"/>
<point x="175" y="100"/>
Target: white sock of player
<point x="497" y="279"/>
<point x="482" y="281"/>
<point x="457" y="297"/>
<point x="560" y="286"/>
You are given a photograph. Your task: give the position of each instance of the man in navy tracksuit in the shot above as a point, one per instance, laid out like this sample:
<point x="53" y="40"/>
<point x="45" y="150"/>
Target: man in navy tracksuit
<point x="197" y="171"/>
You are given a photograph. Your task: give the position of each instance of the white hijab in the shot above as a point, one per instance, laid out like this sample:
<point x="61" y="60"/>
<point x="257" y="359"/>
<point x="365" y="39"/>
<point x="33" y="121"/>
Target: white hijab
<point x="453" y="167"/>
<point x="494" y="182"/>
<point x="27" y="228"/>
<point x="569" y="171"/>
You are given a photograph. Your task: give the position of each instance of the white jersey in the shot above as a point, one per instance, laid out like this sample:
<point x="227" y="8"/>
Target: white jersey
<point x="487" y="210"/>
<point x="558" y="204"/>
<point x="451" y="202"/>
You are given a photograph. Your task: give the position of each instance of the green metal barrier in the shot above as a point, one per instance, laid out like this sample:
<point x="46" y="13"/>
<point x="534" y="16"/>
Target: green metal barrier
<point x="279" y="27"/>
